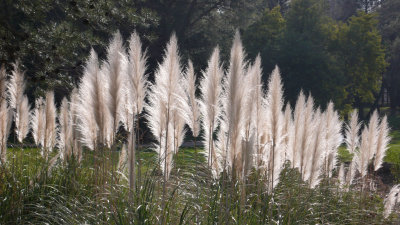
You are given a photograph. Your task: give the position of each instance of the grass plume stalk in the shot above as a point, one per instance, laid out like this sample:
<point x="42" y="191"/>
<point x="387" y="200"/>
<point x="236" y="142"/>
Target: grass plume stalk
<point x="210" y="107"/>
<point x="93" y="111"/>
<point x="352" y="140"/>
<point x="254" y="119"/>
<point x="5" y="126"/>
<point x="163" y="95"/>
<point x="116" y="73"/>
<point x="233" y="99"/>
<point x="137" y="74"/>
<point x="191" y="110"/>
<point x="77" y="145"/>
<point x="307" y="132"/>
<point x="19" y="102"/>
<point x="298" y="129"/>
<point x="50" y="124"/>
<point x="333" y="138"/>
<point x="382" y="143"/>
<point x="65" y="141"/>
<point x="275" y="129"/>
<point x="38" y="122"/>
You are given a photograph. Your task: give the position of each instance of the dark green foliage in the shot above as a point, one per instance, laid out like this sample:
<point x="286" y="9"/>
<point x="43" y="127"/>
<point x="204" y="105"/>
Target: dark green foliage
<point x="389" y="25"/>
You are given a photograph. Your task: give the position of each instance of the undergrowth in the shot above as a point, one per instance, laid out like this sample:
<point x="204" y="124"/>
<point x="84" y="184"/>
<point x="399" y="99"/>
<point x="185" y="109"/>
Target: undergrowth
<point x="72" y="194"/>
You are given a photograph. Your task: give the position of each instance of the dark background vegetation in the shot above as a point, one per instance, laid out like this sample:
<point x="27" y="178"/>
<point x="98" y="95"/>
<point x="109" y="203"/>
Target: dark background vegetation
<point x="347" y="51"/>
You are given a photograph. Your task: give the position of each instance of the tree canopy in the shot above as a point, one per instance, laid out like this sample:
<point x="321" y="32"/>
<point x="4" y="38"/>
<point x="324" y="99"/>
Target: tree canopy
<point x="337" y="49"/>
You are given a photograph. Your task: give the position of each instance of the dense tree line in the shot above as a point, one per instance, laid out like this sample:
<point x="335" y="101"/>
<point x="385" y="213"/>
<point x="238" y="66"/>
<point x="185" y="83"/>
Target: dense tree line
<point x="347" y="48"/>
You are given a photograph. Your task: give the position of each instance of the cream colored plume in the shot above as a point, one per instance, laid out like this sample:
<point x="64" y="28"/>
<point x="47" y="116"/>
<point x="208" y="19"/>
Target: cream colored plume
<point x="19" y="102"/>
<point x="234" y="97"/>
<point x="352" y="140"/>
<point x="5" y="125"/>
<point x="95" y="120"/>
<point x="163" y="101"/>
<point x="77" y="145"/>
<point x="333" y="138"/>
<point x="210" y="106"/>
<point x="299" y="117"/>
<point x="382" y="143"/>
<point x="391" y="200"/>
<point x="312" y="167"/>
<point x="190" y="105"/>
<point x="137" y="71"/>
<point x="50" y="127"/>
<point x="65" y="141"/>
<point x="38" y="122"/>
<point x="117" y="74"/>
<point x="275" y="121"/>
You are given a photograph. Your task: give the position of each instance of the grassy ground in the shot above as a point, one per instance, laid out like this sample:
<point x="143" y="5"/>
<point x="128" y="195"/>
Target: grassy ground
<point x="78" y="194"/>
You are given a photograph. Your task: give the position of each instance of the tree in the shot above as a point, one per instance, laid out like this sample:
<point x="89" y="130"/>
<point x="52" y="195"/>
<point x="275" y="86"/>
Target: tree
<point x="363" y="58"/>
<point x="53" y="38"/>
<point x="307" y="58"/>
<point x="342" y="9"/>
<point x="263" y="37"/>
<point x="389" y="25"/>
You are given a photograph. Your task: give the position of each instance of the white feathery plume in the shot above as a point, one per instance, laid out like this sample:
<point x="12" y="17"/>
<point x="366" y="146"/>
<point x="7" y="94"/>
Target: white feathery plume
<point x="219" y="150"/>
<point x="382" y="143"/>
<point x="373" y="133"/>
<point x="155" y="115"/>
<point x="117" y="73"/>
<point x="137" y="79"/>
<point x="94" y="115"/>
<point x="178" y="126"/>
<point x="50" y="127"/>
<point x="233" y="100"/>
<point x="249" y="107"/>
<point x="191" y="105"/>
<point x="16" y="86"/>
<point x="352" y="129"/>
<point x="5" y="125"/>
<point x="275" y="129"/>
<point x="137" y="71"/>
<point x="22" y="119"/>
<point x="314" y="163"/>
<point x="362" y="156"/>
<point x="178" y="113"/>
<point x="369" y="143"/>
<point x="259" y="115"/>
<point x="38" y="122"/>
<point x="128" y="106"/>
<point x="210" y="106"/>
<point x="333" y="138"/>
<point x="307" y="132"/>
<point x="19" y="102"/>
<point x="352" y="140"/>
<point x="298" y="129"/>
<point x="74" y="104"/>
<point x="65" y="141"/>
<point x="391" y="200"/>
<point x="288" y="133"/>
<point x="255" y="118"/>
<point x="163" y="100"/>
